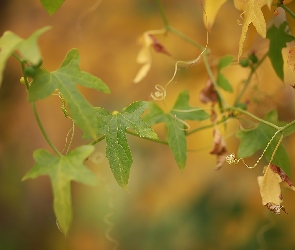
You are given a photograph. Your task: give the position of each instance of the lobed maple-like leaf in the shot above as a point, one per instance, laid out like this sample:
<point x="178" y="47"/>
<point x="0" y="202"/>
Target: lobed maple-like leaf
<point x="113" y="126"/>
<point x="61" y="171"/>
<point x="211" y="9"/>
<point x="270" y="189"/>
<point x="27" y="48"/>
<point x="51" y="6"/>
<point x="258" y="138"/>
<point x="278" y="39"/>
<point x="176" y="129"/>
<point x="65" y="79"/>
<point x="252" y="14"/>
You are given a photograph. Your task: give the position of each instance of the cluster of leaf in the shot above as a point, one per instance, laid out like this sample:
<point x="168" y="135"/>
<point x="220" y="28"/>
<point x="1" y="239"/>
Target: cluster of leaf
<point x="62" y="169"/>
<point x="97" y="123"/>
<point x="252" y="13"/>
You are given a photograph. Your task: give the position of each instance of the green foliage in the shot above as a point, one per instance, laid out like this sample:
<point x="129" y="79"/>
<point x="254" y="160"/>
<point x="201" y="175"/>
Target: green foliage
<point x="113" y="126"/>
<point x="97" y="123"/>
<point x="222" y="82"/>
<point x="51" y="6"/>
<point x="28" y="49"/>
<point x="173" y="120"/>
<point x="278" y="39"/>
<point x="257" y="139"/>
<point x="64" y="79"/>
<point x="61" y="171"/>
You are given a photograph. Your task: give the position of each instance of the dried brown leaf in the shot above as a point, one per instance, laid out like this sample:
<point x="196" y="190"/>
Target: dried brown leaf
<point x="219" y="149"/>
<point x="158" y="47"/>
<point x="208" y="93"/>
<point x="270" y="189"/>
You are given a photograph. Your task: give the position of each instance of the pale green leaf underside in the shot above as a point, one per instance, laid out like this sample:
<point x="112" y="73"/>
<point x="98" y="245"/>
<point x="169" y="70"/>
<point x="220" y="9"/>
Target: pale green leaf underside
<point x="65" y="79"/>
<point x="62" y="170"/>
<point x="28" y="48"/>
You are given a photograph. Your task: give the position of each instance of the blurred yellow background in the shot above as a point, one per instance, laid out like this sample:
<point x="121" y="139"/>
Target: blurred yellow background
<point x="165" y="208"/>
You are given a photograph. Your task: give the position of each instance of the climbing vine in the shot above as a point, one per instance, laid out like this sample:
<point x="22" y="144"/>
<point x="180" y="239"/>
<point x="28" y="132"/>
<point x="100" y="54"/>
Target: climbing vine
<point x="265" y="134"/>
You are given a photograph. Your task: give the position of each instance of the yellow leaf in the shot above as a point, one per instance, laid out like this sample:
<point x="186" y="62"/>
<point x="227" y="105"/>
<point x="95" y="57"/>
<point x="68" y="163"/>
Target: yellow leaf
<point x="252" y="14"/>
<point x="269" y="2"/>
<point x="211" y="9"/>
<point x="291" y="59"/>
<point x="290" y="20"/>
<point x="270" y="189"/>
<point x="142" y="72"/>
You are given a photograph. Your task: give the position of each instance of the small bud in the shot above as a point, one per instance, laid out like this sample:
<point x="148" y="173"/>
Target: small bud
<point x="244" y="62"/>
<point x="30" y="71"/>
<point x="253" y="58"/>
<point x="22" y="80"/>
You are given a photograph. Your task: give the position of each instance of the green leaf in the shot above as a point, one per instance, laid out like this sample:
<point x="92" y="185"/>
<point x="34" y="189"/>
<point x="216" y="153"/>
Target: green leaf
<point x="61" y="171"/>
<point x="65" y="79"/>
<point x="225" y="61"/>
<point x="113" y="126"/>
<point x="28" y="48"/>
<point x="258" y="138"/>
<point x="278" y="39"/>
<point x="221" y="80"/>
<point x="182" y="110"/>
<point x="176" y="136"/>
<point x="176" y="140"/>
<point x="51" y="6"/>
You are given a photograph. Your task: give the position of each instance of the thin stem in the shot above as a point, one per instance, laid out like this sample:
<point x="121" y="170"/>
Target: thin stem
<point x="247" y="82"/>
<point x="43" y="130"/>
<point x="208" y="126"/>
<point x="150" y="139"/>
<point x="289" y="11"/>
<point x="175" y="31"/>
<point x="255" y="117"/>
<point x="98" y="140"/>
<point x="287" y="126"/>
<point x="23" y="62"/>
<point x="185" y="38"/>
<point x="162" y="12"/>
<point x="210" y="73"/>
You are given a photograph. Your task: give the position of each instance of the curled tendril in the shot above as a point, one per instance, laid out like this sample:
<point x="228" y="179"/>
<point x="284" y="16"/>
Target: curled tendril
<point x="160" y="94"/>
<point x="191" y="62"/>
<point x="67" y="115"/>
<point x="72" y="129"/>
<point x="187" y="126"/>
<point x="231" y="159"/>
<point x="107" y="217"/>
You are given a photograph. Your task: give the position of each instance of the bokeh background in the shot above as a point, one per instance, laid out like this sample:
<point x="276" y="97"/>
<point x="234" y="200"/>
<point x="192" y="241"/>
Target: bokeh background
<point x="165" y="208"/>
